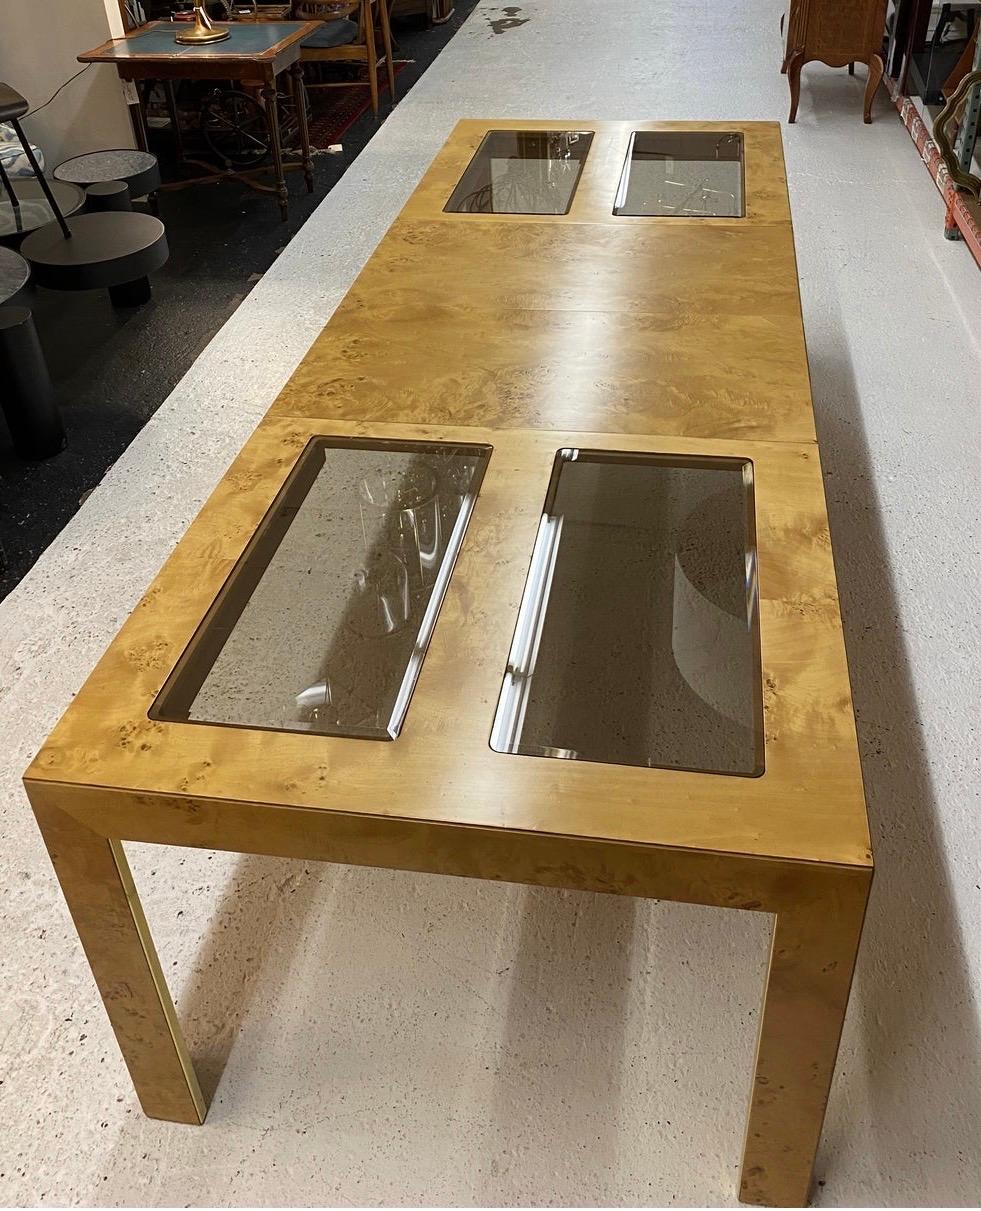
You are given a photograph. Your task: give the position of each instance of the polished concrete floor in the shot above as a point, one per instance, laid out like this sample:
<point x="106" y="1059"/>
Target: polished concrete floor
<point x="393" y="1038"/>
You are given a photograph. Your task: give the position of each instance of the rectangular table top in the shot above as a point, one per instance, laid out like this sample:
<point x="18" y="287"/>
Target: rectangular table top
<point x="675" y="336"/>
<point x="156" y="43"/>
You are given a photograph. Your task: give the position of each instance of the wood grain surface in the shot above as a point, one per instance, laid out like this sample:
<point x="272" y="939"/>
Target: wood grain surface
<point x="677" y="336"/>
<point x="808" y="804"/>
<point x="766" y="179"/>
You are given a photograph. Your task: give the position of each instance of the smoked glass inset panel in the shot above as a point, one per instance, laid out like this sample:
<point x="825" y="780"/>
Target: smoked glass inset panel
<point x="637" y="638"/>
<point x="691" y="173"/>
<point x="522" y="172"/>
<point x="324" y="622"/>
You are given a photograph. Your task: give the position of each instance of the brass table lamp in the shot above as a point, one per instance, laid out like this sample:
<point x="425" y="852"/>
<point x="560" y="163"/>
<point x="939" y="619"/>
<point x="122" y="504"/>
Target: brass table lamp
<point x="202" y="32"/>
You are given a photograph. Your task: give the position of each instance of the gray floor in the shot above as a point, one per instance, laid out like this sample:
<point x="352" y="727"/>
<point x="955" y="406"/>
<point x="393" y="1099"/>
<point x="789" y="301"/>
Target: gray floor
<point x="402" y="1039"/>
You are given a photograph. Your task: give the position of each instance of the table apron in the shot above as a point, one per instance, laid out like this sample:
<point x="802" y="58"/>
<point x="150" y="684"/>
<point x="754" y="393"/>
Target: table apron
<point x="244" y="70"/>
<point x="693" y="876"/>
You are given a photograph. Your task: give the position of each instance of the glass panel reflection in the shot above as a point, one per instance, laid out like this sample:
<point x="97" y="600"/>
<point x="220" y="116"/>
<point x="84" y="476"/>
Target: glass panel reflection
<point x="637" y="640"/>
<point x="325" y="620"/>
<point x="690" y="173"/>
<point x="522" y="172"/>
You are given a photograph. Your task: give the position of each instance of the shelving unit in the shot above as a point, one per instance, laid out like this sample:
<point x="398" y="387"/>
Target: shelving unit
<point x="910" y="22"/>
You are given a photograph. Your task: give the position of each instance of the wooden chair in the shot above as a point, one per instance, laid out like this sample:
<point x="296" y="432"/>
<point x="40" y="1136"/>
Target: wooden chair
<point x="342" y="40"/>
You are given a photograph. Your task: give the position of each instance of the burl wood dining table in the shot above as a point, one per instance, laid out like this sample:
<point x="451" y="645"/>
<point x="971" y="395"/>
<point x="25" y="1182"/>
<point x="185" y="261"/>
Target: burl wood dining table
<point x="526" y="575"/>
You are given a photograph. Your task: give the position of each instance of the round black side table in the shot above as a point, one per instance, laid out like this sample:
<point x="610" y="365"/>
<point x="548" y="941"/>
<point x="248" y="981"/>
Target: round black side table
<point x="33" y="210"/>
<point x="114" y="249"/>
<point x="137" y="169"/>
<point x="28" y="397"/>
<point x="15" y="273"/>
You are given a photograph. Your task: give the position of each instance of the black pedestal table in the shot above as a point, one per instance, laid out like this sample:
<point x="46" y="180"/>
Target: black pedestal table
<point x="117" y="249"/>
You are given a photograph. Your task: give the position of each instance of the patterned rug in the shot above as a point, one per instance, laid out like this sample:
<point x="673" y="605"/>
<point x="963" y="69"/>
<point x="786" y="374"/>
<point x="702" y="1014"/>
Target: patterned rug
<point x="335" y="110"/>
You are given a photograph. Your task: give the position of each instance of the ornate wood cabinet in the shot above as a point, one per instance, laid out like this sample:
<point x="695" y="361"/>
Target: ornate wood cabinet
<point x="838" y="33"/>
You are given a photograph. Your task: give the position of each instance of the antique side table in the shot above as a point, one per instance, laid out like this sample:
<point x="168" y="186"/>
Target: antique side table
<point x="544" y="594"/>
<point x="252" y="54"/>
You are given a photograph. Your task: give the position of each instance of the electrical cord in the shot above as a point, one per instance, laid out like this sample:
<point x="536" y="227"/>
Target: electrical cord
<point x="38" y="108"/>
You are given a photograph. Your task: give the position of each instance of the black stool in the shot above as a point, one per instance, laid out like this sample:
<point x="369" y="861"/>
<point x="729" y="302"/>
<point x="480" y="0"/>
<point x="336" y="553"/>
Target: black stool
<point x="115" y="250"/>
<point x="12" y="108"/>
<point x="28" y="396"/>
<point x="108" y="195"/>
<point x="137" y="169"/>
<point x="15" y="273"/>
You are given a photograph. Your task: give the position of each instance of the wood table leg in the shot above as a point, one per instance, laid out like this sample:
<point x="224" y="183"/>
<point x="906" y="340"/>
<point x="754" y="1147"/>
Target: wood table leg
<point x="271" y="98"/>
<point x="138" y="118"/>
<point x="809" y="979"/>
<point x="371" y="53"/>
<point x="387" y="47"/>
<point x="170" y="92"/>
<point x="300" y="103"/>
<point x="103" y="902"/>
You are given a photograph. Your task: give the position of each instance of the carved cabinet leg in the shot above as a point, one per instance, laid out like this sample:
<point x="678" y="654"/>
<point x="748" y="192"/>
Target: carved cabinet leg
<point x="876" y="70"/>
<point x="793" y="78"/>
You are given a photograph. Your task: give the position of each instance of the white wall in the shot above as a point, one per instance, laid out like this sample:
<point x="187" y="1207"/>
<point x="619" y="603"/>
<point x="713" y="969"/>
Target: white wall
<point x="39" y="42"/>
